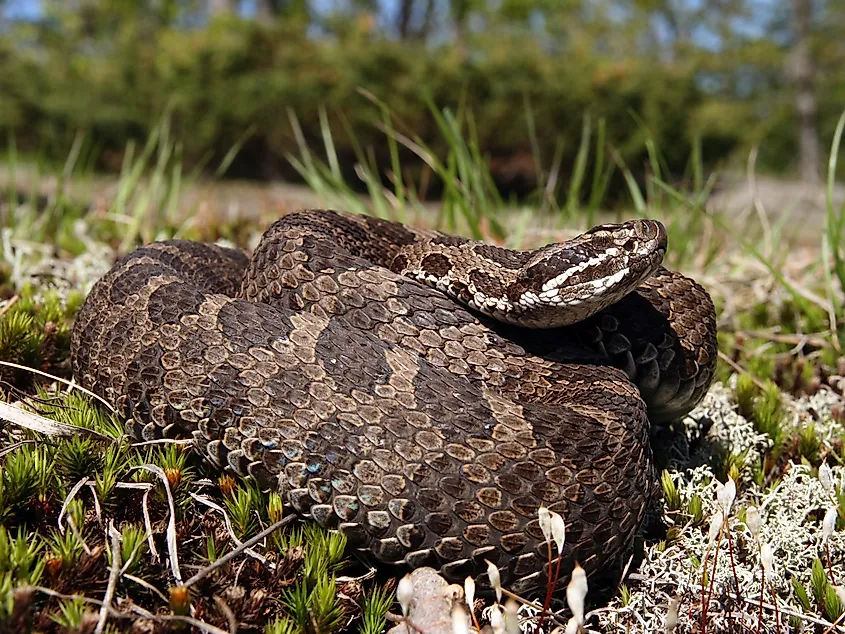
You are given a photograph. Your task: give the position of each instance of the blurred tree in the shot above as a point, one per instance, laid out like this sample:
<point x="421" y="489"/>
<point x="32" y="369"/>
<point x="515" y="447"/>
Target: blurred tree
<point x="735" y="73"/>
<point x="269" y="10"/>
<point x="459" y="14"/>
<point x="803" y="74"/>
<point x="264" y="10"/>
<point x="218" y="7"/>
<point x="414" y="19"/>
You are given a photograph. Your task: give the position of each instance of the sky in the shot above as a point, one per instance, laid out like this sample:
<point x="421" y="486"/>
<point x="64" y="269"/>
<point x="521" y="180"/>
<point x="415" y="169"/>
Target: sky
<point x="31" y="9"/>
<point x="22" y="9"/>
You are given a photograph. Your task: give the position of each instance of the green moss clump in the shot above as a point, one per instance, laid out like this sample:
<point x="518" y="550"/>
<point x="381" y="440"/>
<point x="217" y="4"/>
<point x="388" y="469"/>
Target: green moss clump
<point x="21" y="564"/>
<point x="35" y="332"/>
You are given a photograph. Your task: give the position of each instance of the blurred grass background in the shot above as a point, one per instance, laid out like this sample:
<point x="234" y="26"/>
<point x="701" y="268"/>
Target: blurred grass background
<point x="720" y="78"/>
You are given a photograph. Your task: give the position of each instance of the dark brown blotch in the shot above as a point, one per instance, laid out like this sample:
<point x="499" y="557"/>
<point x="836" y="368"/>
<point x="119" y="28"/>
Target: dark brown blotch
<point x="504" y="521"/>
<point x="421" y="558"/>
<point x="477" y="534"/>
<point x="450" y="548"/>
<point x="431" y="499"/>
<point x="410" y="535"/>
<point x="402" y="509"/>
<point x="513" y="542"/>
<point x="438" y="523"/>
<point x="486" y="283"/>
<point x="436" y="264"/>
<point x="469" y="511"/>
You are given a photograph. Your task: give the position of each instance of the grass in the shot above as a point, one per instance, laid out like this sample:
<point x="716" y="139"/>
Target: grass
<point x="781" y="327"/>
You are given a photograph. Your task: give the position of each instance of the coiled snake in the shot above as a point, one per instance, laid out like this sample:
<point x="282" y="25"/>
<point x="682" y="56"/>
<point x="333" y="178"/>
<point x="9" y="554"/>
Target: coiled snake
<point x="420" y="392"/>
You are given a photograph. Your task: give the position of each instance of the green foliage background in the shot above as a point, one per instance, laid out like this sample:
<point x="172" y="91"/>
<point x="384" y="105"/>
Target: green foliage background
<point x="112" y="68"/>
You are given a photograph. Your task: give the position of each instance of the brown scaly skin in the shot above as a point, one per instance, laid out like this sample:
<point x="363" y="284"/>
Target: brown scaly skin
<point x="377" y="405"/>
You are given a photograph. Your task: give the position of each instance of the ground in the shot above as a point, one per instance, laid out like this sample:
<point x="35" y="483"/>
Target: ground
<point x="98" y="531"/>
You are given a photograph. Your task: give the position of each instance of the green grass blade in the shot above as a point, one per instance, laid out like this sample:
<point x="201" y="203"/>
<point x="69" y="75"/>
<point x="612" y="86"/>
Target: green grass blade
<point x="532" y="139"/>
<point x="835" y="218"/>
<point x="601" y="173"/>
<point x="631" y="182"/>
<point x="328" y="142"/>
<point x="234" y="151"/>
<point x="12" y="162"/>
<point x="395" y="165"/>
<point x="573" y="198"/>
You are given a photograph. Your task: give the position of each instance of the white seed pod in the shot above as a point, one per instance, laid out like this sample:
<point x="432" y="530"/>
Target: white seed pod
<point x="840" y="594"/>
<point x="495" y="580"/>
<point x="672" y="615"/>
<point x="558" y="531"/>
<point x="753" y="521"/>
<point x="512" y="617"/>
<point x="826" y="478"/>
<point x="767" y="557"/>
<point x="576" y="592"/>
<point x="497" y="620"/>
<point x="404" y="593"/>
<point x="545" y="518"/>
<point x="715" y="526"/>
<point x="572" y="626"/>
<point x="828" y="524"/>
<point x="725" y="495"/>
<point x="469" y="592"/>
<point x="460" y="622"/>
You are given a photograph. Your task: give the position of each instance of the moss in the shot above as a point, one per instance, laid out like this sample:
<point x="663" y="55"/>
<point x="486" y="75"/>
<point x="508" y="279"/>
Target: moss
<point x="671" y="498"/>
<point x="78" y="458"/>
<point x="114" y="466"/>
<point x="728" y="465"/>
<point x="801" y="594"/>
<point x="244" y="506"/>
<point x="19" y="482"/>
<point x="20" y="343"/>
<point x="376" y="605"/>
<point x="314" y="608"/>
<point x="695" y="509"/>
<point x="133" y="547"/>
<point x="308" y="563"/>
<point x="73" y="613"/>
<point x="65" y="550"/>
<point x="809" y="445"/>
<point x="35" y="332"/>
<point x="284" y="625"/>
<point x="745" y="393"/>
<point x="767" y="415"/>
<point x="79" y="410"/>
<point x="824" y="593"/>
<point x="21" y="564"/>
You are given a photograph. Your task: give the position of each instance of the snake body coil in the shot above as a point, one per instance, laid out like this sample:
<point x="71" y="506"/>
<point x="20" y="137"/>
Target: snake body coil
<point x="422" y="393"/>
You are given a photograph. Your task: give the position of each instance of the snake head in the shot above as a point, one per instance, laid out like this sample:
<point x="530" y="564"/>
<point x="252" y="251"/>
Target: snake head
<point x="566" y="282"/>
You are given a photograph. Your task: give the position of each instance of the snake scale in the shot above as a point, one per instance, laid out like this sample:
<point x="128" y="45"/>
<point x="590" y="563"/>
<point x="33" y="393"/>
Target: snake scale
<point x="422" y="393"/>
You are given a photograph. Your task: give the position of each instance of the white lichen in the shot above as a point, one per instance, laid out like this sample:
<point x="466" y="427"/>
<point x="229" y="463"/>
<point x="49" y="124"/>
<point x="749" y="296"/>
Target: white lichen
<point x="783" y="531"/>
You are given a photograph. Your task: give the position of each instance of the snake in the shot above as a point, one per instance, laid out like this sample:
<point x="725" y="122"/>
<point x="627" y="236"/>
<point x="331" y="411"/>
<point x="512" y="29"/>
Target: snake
<point x="422" y="393"/>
